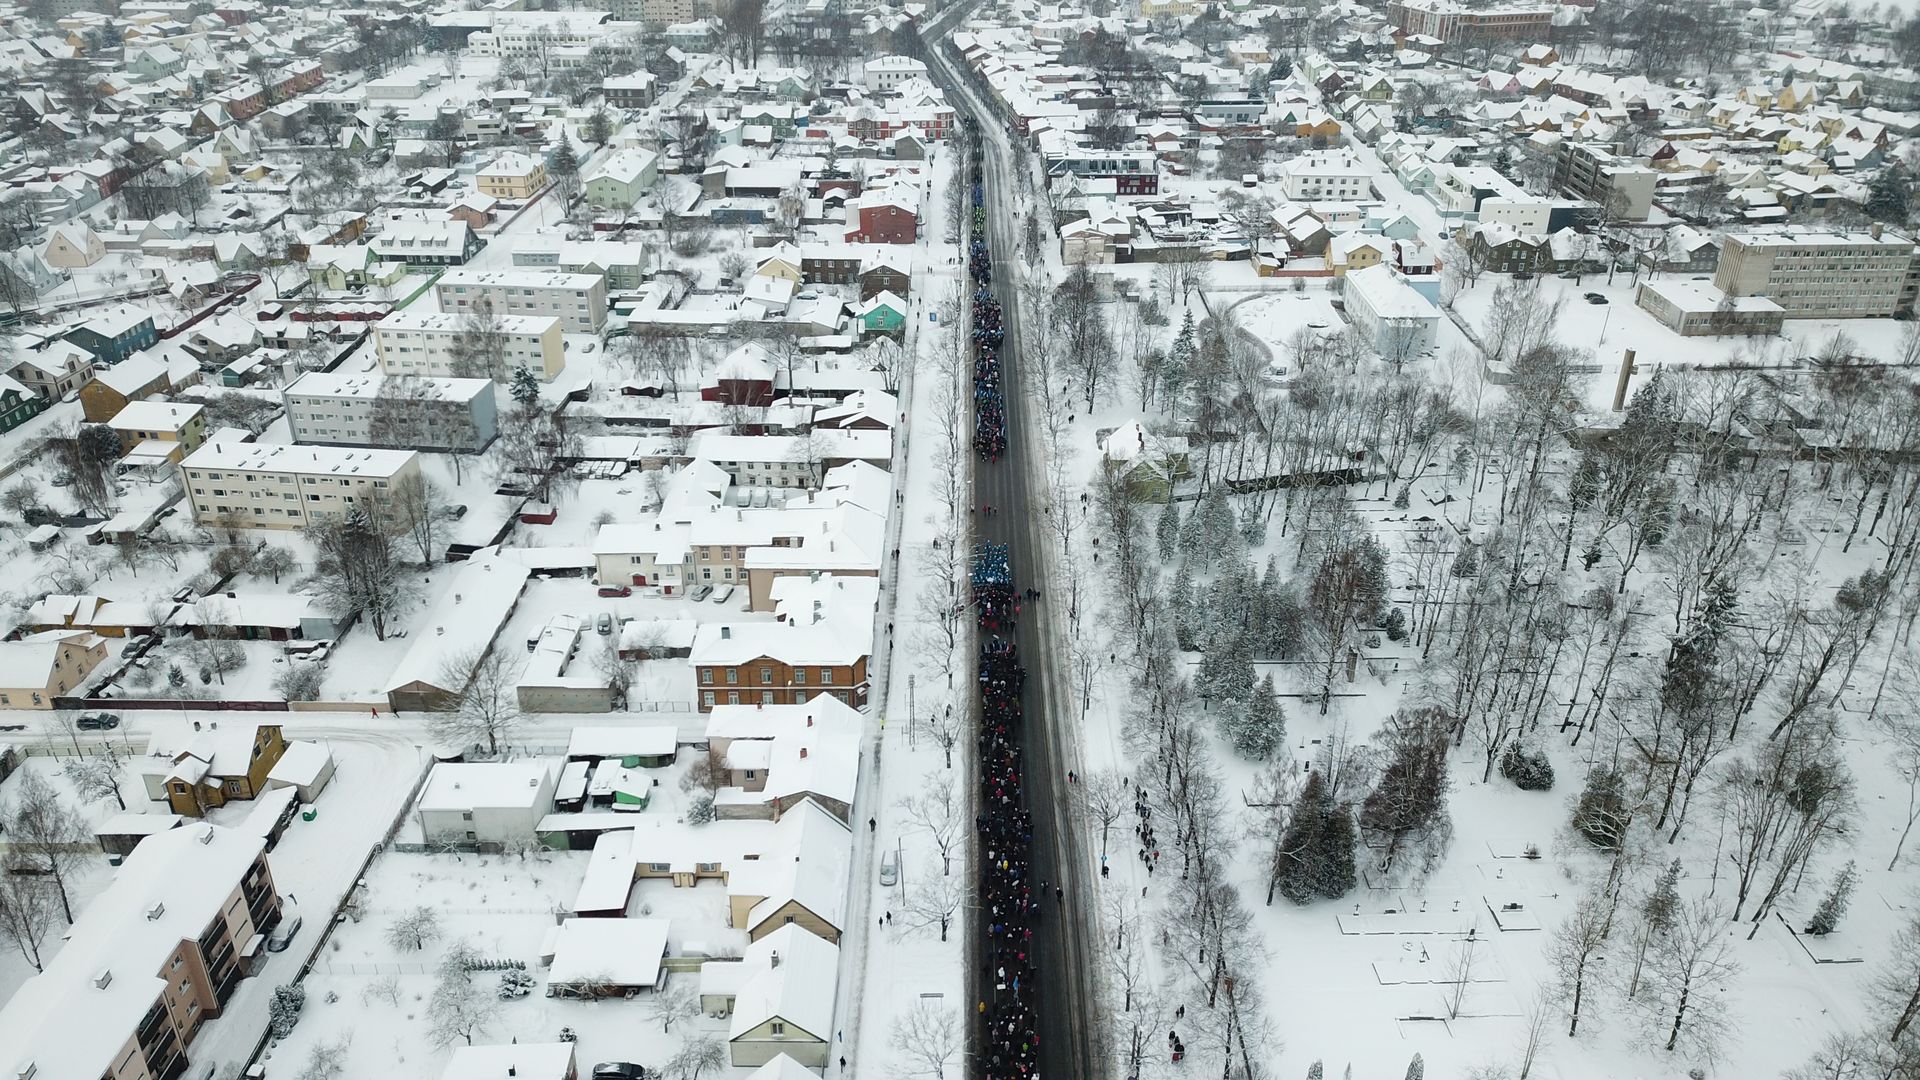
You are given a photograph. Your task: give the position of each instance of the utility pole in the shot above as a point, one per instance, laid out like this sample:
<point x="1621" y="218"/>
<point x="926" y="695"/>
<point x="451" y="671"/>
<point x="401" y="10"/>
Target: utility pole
<point x="913" y="718"/>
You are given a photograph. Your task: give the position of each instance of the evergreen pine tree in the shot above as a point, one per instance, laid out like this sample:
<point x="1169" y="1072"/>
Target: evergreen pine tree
<point x="1316" y="1071"/>
<point x="1827" y="916"/>
<point x="1662" y="904"/>
<point x="526" y="387"/>
<point x="1167" y="531"/>
<point x="1180" y="602"/>
<point x="1601" y="814"/>
<point x="1301" y="842"/>
<point x="565" y="167"/>
<point x="1417" y="1068"/>
<point x="1887" y="196"/>
<point x="1333" y="863"/>
<point x="1262" y="727"/>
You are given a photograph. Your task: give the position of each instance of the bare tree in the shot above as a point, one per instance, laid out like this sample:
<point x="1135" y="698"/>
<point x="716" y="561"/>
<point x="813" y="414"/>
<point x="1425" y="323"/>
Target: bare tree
<point x="458" y="1009"/>
<point x="416" y="509"/>
<point x="935" y="901"/>
<point x="96" y="777"/>
<point x="1686" y="1001"/>
<point x="27" y="910"/>
<point x="357" y="571"/>
<point x="216" y="656"/>
<point x="483" y="703"/>
<point x="415" y="929"/>
<point x="934" y="809"/>
<point x="45" y="835"/>
<point x="701" y="1054"/>
<point x="926" y="1035"/>
<point x="1102" y="798"/>
<point x="1574" y="948"/>
<point x="675" y="1002"/>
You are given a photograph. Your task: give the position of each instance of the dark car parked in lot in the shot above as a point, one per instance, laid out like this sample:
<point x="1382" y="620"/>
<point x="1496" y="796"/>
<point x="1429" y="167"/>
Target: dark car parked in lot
<point x="97" y="722"/>
<point x="616" y="590"/>
<point x="619" y="1070"/>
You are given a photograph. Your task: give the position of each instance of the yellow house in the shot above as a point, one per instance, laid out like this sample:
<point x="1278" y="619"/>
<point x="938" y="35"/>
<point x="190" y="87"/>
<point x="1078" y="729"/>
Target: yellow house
<point x="782" y="262"/>
<point x="1173" y="9"/>
<point x="40" y="667"/>
<point x="180" y="424"/>
<point x="73" y="247"/>
<point x="1795" y="96"/>
<point x="513" y="176"/>
<point x="215" y="766"/>
<point x="1348" y="253"/>
<point x="804" y="885"/>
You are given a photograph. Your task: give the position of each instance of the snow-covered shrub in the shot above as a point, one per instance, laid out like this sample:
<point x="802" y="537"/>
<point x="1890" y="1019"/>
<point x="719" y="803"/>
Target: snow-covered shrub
<point x="1528" y="769"/>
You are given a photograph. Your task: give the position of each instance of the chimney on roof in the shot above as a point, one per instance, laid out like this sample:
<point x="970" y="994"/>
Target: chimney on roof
<point x="1876" y="230"/>
<point x="726" y="632"/>
<point x="803" y="753"/>
<point x="776" y="958"/>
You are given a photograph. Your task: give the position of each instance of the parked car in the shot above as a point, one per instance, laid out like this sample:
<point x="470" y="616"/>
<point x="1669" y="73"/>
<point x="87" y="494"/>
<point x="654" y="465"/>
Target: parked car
<point x="282" y="935"/>
<point x="105" y="721"/>
<point x="723" y="594"/>
<point x="700" y="592"/>
<point x="890" y="868"/>
<point x="619" y="1070"/>
<point x="616" y="590"/>
<point x="604" y="624"/>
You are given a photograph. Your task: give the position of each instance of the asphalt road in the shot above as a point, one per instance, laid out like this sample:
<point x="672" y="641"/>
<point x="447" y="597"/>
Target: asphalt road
<point x="1068" y="1013"/>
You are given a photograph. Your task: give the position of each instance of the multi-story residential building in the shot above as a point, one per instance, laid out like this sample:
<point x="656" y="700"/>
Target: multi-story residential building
<point x="436" y="344"/>
<point x="621" y="179"/>
<point x="43" y="666"/>
<point x="1133" y="172"/>
<point x="116" y="335"/>
<point x="392" y="411"/>
<point x="820" y="642"/>
<point x="1451" y="21"/>
<point x="633" y="91"/>
<point x="18" y="403"/>
<point x="1820" y="275"/>
<point x="182" y="425"/>
<point x="579" y="301"/>
<point x="1391" y="316"/>
<point x="54" y="372"/>
<point x="624" y="264"/>
<point x="1618" y="186"/>
<point x="513" y="176"/>
<point x="884" y="74"/>
<point x="1326" y="176"/>
<point x="265" y="486"/>
<point x="426" y="243"/>
<point x="149" y="961"/>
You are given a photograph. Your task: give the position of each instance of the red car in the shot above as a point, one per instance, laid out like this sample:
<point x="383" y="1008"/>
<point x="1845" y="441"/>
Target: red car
<point x="616" y="590"/>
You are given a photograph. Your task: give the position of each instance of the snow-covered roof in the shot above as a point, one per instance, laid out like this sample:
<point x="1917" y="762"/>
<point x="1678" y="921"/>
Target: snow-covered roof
<point x="484" y="785"/>
<point x="766" y="721"/>
<point x="609" y="877"/>
<point x="796" y="973"/>
<point x="462" y="622"/>
<point x="620" y="952"/>
<point x="807" y="865"/>
<point x="301" y="764"/>
<point x="532" y="1061"/>
<point x="107" y="975"/>
<point x="280" y="610"/>
<point x="652" y="740"/>
<point x="827" y="621"/>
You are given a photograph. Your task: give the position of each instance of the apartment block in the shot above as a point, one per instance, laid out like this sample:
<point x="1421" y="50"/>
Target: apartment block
<point x="1820" y="275"/>
<point x="1451" y="21"/>
<point x="147" y="962"/>
<point x="1615" y="184"/>
<point x="287" y="487"/>
<point x="437" y="344"/>
<point x="392" y="411"/>
<point x="579" y="301"/>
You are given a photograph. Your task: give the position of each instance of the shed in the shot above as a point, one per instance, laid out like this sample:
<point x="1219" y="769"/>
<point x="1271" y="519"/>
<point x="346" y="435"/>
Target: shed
<point x="521" y="1061"/>
<point x="605" y="957"/>
<point x="305" y="767"/>
<point x="121" y="833"/>
<point x="651" y="747"/>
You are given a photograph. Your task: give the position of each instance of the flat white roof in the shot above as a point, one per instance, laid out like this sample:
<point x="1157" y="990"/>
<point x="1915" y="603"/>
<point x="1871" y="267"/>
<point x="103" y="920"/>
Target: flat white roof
<point x="454" y="323"/>
<point x="299" y="460"/>
<point x="367" y="385"/>
<point x="520" y="278"/>
<point x="623" y="952"/>
<point x="657" y="740"/>
<point x="478" y="785"/>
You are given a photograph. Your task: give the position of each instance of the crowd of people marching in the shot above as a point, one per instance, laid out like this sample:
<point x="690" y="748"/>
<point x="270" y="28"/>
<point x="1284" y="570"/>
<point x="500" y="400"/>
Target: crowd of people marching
<point x="1010" y="897"/>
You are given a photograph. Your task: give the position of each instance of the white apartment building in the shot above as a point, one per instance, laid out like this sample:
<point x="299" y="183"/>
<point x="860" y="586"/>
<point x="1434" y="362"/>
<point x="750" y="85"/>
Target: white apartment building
<point x="1326" y="176"/>
<point x="430" y="343"/>
<point x="1820" y="275"/>
<point x="287" y="487"/>
<point x="393" y="411"/>
<point x="579" y="301"/>
<point x="884" y="73"/>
